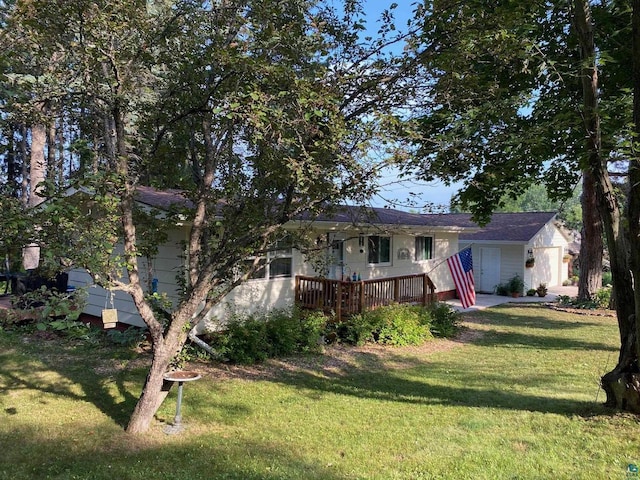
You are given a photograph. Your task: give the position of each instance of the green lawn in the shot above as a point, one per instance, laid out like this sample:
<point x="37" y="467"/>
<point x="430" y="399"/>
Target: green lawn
<point x="518" y="399"/>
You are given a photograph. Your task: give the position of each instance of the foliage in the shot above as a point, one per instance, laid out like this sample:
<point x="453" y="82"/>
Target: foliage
<point x="254" y="111"/>
<point x="251" y="339"/>
<point x="602" y="299"/>
<point x="502" y="289"/>
<point x="397" y="325"/>
<point x="514" y="285"/>
<point x="444" y="320"/>
<point x="46" y="304"/>
<point x="189" y="353"/>
<point x="531" y="292"/>
<point x="354" y="330"/>
<point x="131" y="337"/>
<point x="254" y="338"/>
<point x="542" y="290"/>
<point x="17" y="225"/>
<point x="536" y="199"/>
<point x="400" y="325"/>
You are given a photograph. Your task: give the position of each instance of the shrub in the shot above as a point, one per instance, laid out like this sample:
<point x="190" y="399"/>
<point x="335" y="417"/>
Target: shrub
<point x="606" y="279"/>
<point x="445" y="320"/>
<point x="253" y="339"/>
<point x="515" y="285"/>
<point x="542" y="290"/>
<point x="355" y="330"/>
<point x="531" y="292"/>
<point x="603" y="297"/>
<point x="502" y="289"/>
<point x="401" y="325"/>
<point x="243" y="341"/>
<point x="390" y="325"/>
<point x="131" y="337"/>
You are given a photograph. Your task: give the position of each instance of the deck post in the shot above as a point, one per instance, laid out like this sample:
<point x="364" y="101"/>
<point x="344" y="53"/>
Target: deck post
<point x="362" y="302"/>
<point x="396" y="290"/>
<point x="425" y="289"/>
<point x="339" y="301"/>
<point x="297" y="297"/>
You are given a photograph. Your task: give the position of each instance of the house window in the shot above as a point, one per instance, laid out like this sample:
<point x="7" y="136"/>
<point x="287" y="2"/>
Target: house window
<point x="379" y="249"/>
<point x="278" y="262"/>
<point x="424" y="248"/>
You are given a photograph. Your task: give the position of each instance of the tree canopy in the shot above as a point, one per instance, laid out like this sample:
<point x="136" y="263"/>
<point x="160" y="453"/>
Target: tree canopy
<point x="255" y="110"/>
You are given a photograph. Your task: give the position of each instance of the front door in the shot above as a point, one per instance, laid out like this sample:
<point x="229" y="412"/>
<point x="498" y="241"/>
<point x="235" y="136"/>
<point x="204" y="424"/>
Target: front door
<point x="489" y="269"/>
<point x="335" y="253"/>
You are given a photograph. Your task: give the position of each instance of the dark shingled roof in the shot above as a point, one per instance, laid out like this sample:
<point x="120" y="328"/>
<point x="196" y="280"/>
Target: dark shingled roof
<point x="511" y="227"/>
<point x="389" y="216"/>
<point x="164" y="199"/>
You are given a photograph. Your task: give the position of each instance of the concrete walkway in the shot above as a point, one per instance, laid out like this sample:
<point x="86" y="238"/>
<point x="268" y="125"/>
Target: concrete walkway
<point x="485" y="301"/>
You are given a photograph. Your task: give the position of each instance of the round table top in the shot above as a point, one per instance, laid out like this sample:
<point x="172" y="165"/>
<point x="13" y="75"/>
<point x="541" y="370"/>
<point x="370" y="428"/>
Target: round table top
<point x="181" y="376"/>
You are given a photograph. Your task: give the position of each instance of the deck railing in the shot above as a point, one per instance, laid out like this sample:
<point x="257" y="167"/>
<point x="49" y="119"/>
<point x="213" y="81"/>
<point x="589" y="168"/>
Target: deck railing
<point x="348" y="298"/>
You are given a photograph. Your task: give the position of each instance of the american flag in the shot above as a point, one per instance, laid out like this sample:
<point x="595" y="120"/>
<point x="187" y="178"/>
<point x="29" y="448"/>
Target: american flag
<point x="461" y="266"/>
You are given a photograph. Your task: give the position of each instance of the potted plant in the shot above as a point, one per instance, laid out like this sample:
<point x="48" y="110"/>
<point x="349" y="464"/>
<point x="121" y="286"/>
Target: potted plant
<point x="531" y="292"/>
<point x="542" y="290"/>
<point x="530" y="262"/>
<point x="516" y="285"/>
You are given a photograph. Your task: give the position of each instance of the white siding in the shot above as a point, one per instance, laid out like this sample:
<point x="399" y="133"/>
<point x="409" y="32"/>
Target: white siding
<point x="263" y="295"/>
<point x="548" y="246"/>
<point x="166" y="267"/>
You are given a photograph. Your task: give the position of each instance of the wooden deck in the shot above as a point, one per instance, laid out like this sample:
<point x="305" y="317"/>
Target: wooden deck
<point x="348" y="298"/>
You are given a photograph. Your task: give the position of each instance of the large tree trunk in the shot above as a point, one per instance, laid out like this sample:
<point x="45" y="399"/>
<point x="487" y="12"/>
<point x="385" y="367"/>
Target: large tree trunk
<point x="633" y="212"/>
<point x="24" y="186"/>
<point x="591" y="247"/>
<point x="37" y="172"/>
<point x="153" y="393"/>
<point x="619" y="384"/>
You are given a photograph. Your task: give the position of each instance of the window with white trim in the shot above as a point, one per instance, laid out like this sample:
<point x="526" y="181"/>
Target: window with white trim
<point x="423" y="248"/>
<point x="278" y="262"/>
<point x="379" y="249"/>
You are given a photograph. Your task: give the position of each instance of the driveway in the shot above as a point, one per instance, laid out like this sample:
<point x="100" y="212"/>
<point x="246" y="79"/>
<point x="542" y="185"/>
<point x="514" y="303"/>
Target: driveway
<point x="484" y="300"/>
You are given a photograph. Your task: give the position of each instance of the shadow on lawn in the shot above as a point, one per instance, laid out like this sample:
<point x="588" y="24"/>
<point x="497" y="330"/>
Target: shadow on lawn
<point x="548" y="342"/>
<point x="69" y="372"/>
<point x="126" y="457"/>
<point x="480" y="385"/>
<point x="523" y="315"/>
<point x="483" y="390"/>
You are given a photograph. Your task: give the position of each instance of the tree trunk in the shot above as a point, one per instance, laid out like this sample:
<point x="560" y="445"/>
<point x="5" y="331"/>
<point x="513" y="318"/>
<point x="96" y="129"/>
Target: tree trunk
<point x="24" y="187"/>
<point x="633" y="205"/>
<point x="153" y="393"/>
<point x="591" y="247"/>
<point x="37" y="172"/>
<point x="37" y="167"/>
<point x="619" y="385"/>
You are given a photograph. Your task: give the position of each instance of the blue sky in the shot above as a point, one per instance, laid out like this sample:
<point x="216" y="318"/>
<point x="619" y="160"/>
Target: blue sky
<point x="432" y="193"/>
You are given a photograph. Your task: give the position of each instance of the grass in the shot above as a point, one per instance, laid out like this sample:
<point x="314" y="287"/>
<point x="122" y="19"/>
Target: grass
<point x="519" y="399"/>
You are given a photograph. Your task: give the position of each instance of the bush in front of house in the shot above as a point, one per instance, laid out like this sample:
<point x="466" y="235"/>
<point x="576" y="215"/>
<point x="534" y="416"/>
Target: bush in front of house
<point x="397" y="325"/>
<point x="254" y="338"/>
<point x="445" y="320"/>
<point x="401" y="325"/>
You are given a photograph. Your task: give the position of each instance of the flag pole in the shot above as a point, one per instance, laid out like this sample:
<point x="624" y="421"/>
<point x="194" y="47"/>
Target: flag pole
<point x="441" y="262"/>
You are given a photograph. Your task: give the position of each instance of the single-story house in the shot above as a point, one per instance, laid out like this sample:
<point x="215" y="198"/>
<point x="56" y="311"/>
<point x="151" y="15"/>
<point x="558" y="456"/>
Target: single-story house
<point x="358" y="243"/>
<point x="506" y="246"/>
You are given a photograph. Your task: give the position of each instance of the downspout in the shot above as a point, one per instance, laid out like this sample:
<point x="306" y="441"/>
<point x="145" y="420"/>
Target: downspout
<point x="202" y="344"/>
